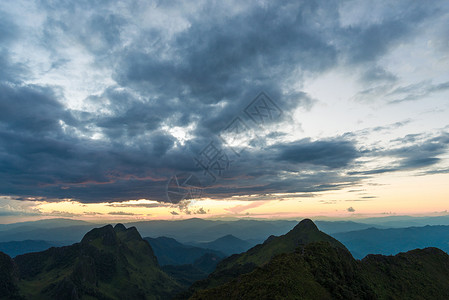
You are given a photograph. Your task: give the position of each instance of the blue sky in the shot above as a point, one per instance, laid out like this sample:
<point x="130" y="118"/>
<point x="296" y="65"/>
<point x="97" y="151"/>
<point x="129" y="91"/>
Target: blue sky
<point x="105" y="101"/>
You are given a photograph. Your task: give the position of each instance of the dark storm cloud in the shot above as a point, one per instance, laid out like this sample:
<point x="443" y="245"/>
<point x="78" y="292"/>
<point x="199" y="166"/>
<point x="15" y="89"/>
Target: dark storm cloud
<point x="32" y="109"/>
<point x="12" y="72"/>
<point x="217" y="56"/>
<point x="423" y="153"/>
<point x="38" y="157"/>
<point x="367" y="44"/>
<point x="202" y="76"/>
<point x="330" y="153"/>
<point x="363" y="44"/>
<point x="229" y="61"/>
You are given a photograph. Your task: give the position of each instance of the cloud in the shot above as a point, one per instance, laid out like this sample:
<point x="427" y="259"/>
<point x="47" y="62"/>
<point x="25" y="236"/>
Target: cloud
<point x="121" y="213"/>
<point x="350" y="209"/>
<point x="145" y="205"/>
<point x="422" y="153"/>
<point x="393" y="93"/>
<point x="241" y="208"/>
<point x="13" y="207"/>
<point x="115" y="102"/>
<point x="416" y="91"/>
<point x="330" y="153"/>
<point x="200" y="211"/>
<point x="58" y="213"/>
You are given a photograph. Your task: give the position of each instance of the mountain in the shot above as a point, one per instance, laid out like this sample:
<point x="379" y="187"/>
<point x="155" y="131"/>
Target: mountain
<point x="189" y="230"/>
<point x="171" y="252"/>
<point x="45" y="223"/>
<point x="308" y="264"/>
<point x="108" y="263"/>
<point x="200" y="230"/>
<point x="66" y="234"/>
<point x="394" y="240"/>
<point x="305" y="232"/>
<point x="331" y="227"/>
<point x="305" y="263"/>
<point x="322" y="271"/>
<point x="184" y="263"/>
<point x="8" y="278"/>
<point x="405" y="221"/>
<point x="15" y="248"/>
<point x="187" y="274"/>
<point x="227" y="244"/>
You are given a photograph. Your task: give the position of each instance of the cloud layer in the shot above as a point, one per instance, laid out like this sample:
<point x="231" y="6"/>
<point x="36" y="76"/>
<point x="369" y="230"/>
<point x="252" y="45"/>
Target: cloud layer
<point x="103" y="102"/>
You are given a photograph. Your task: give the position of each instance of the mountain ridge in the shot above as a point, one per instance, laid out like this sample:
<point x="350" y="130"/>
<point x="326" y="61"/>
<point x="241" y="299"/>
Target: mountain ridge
<point x="320" y="268"/>
<point x="106" y="264"/>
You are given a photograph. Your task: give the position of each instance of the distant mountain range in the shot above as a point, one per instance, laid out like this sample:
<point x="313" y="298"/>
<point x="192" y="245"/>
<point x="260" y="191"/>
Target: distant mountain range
<point x="394" y="240"/>
<point x="305" y="263"/>
<point x="203" y="231"/>
<point x="185" y="231"/>
<point x="21" y="247"/>
<point x="240" y="235"/>
<point x="228" y="245"/>
<point x="171" y="252"/>
<point x="331" y="227"/>
<point x="45" y="223"/>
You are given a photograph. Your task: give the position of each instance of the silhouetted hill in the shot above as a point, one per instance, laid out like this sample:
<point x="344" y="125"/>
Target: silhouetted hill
<point x="303" y="233"/>
<point x="200" y="230"/>
<point x="189" y="273"/>
<point x="108" y="263"/>
<point x="8" y="278"/>
<point x="171" y="252"/>
<point x="331" y="227"/>
<point x="394" y="240"/>
<point x="46" y="223"/>
<point x="65" y="234"/>
<point x="405" y="221"/>
<point x="227" y="244"/>
<point x="17" y="248"/>
<point x="308" y="264"/>
<point x="320" y="270"/>
<point x="305" y="263"/>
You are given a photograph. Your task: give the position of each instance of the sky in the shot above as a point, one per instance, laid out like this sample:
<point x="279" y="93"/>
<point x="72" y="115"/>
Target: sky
<point x="140" y="110"/>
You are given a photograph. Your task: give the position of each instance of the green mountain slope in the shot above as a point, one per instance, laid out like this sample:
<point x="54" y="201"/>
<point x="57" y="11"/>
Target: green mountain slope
<point x="321" y="271"/>
<point x="305" y="232"/>
<point x="109" y="263"/>
<point x="302" y="234"/>
<point x="319" y="267"/>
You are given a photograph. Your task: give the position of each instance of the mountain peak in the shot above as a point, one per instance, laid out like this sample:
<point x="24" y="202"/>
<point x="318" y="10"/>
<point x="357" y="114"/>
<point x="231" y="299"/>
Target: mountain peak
<point x="228" y="237"/>
<point x="107" y="254"/>
<point x="131" y="234"/>
<point x="306" y="225"/>
<point x="119" y="227"/>
<point x="106" y="234"/>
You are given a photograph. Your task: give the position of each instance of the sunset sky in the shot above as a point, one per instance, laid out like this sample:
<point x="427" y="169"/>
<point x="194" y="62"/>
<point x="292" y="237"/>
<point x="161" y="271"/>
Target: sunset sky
<point x="269" y="109"/>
